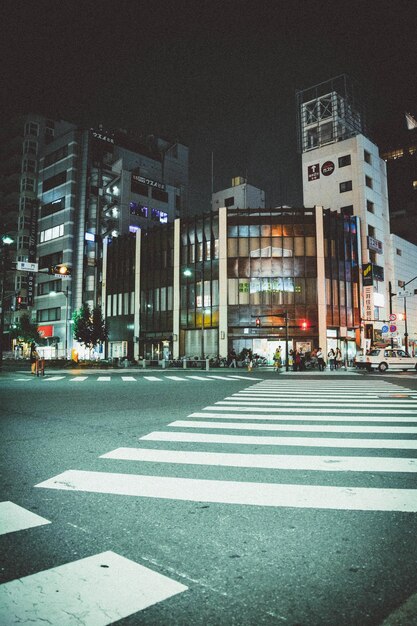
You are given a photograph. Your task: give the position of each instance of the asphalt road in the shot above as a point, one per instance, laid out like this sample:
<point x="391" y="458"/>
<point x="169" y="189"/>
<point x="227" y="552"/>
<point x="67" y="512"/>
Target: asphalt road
<point x="245" y="564"/>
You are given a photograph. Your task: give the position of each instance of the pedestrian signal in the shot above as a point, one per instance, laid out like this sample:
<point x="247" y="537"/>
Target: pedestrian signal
<point x="258" y="322"/>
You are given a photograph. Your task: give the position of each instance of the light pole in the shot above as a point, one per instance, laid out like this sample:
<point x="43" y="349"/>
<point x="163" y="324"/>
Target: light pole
<point x="6" y="241"/>
<point x="404" y="295"/>
<point x="55" y="293"/>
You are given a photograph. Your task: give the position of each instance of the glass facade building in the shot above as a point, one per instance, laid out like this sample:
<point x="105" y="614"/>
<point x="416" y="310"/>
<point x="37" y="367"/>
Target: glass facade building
<point x="244" y="279"/>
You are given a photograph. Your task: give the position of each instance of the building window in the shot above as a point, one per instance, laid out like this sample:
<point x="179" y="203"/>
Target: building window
<point x="29" y="166"/>
<point x="51" y="233"/>
<point x="30" y="147"/>
<point x="55" y="156"/>
<point x="54" y="181"/>
<point x="370" y="206"/>
<point x="48" y="315"/>
<point x="368" y="182"/>
<point x="371" y="231"/>
<point x="32" y="128"/>
<point x="229" y="201"/>
<point x="345" y="186"/>
<point x="414" y="184"/>
<point x="27" y="184"/>
<point x="344" y="160"/>
<point x="159" y="194"/>
<point x="53" y="207"/>
<point x="367" y="156"/>
<point x="51" y="285"/>
<point x="399" y="252"/>
<point x="347" y="210"/>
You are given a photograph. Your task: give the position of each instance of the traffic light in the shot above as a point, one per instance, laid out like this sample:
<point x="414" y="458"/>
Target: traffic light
<point x="18" y="302"/>
<point x="257" y="322"/>
<point x="62" y="270"/>
<point x="304" y="325"/>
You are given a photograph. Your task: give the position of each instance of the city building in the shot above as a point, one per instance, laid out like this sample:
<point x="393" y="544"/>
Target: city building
<point x="342" y="169"/>
<point x="399" y="151"/>
<point x="94" y="183"/>
<point x="235" y="278"/>
<point x="240" y="195"/>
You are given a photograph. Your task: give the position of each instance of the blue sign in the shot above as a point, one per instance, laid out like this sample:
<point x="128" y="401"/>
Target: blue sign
<point x="384" y="329"/>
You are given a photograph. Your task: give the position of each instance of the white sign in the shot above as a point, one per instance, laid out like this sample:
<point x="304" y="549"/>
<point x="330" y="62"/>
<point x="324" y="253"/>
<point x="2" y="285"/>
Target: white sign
<point x="404" y="294"/>
<point x="368" y="296"/>
<point x="23" y="266"/>
<point x="393" y="317"/>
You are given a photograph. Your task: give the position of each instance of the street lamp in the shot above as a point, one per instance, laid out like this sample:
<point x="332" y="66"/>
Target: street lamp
<point x="188" y="273"/>
<point x="55" y="293"/>
<point x="6" y="241"/>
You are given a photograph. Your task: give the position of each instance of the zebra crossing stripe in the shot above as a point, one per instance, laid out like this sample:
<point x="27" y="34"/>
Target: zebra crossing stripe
<point x="394" y="430"/>
<point x="234" y="492"/>
<point x="153" y="379"/>
<point x="78" y="379"/>
<point x="311" y="442"/>
<point x="94" y="591"/>
<point x="249" y="378"/>
<point x="128" y="379"/>
<point x="53" y="378"/>
<point x="322" y="401"/>
<point x="220" y="377"/>
<point x="104" y="379"/>
<point x="205" y="378"/>
<point x="225" y="405"/>
<point x="14" y="517"/>
<point x="269" y="461"/>
<point x="303" y="418"/>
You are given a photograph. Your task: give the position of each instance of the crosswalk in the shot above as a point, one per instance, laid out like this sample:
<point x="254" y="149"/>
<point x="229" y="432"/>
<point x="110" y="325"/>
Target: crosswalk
<point x="335" y="427"/>
<point x="344" y="446"/>
<point x="208" y="378"/>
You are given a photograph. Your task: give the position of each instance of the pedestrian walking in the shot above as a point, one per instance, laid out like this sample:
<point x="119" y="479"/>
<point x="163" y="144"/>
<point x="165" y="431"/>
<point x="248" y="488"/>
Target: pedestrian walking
<point x="232" y="358"/>
<point x="331" y="355"/>
<point x="33" y="357"/>
<point x="250" y="360"/>
<point x="320" y="360"/>
<point x="338" y="358"/>
<point x="277" y="360"/>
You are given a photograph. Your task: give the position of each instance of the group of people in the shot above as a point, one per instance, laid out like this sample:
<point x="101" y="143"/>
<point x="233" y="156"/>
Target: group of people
<point x="335" y="359"/>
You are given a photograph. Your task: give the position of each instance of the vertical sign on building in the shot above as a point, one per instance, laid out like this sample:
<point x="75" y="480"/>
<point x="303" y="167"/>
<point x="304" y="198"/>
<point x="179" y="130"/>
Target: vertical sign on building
<point x="33" y="227"/>
<point x="313" y="172"/>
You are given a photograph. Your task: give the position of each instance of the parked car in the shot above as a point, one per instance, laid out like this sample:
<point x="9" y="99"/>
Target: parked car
<point x="384" y="359"/>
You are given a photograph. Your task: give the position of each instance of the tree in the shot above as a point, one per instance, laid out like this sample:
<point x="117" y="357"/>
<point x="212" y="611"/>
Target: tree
<point x="89" y="327"/>
<point x="25" y="330"/>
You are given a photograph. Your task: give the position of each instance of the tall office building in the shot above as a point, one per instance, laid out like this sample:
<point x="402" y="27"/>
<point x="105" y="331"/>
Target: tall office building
<point x="93" y="184"/>
<point x="342" y="169"/>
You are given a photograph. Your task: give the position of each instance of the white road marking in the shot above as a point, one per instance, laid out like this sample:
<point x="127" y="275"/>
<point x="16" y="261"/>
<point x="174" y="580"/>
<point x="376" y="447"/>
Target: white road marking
<point x="408" y="430"/>
<point x="51" y="378"/>
<point x="348" y="401"/>
<point x="249" y="378"/>
<point x="314" y="418"/>
<point x="94" y="591"/>
<point x="314" y="442"/>
<point x="153" y="379"/>
<point x="227" y="405"/>
<point x="201" y="378"/>
<point x="14" y="517"/>
<point x="78" y="379"/>
<point x="128" y="379"/>
<point x="177" y="378"/>
<point x="271" y="461"/>
<point x="221" y="377"/>
<point x="233" y="492"/>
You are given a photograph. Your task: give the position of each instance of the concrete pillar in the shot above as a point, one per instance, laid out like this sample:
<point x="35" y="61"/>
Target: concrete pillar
<point x="321" y="280"/>
<point x="136" y="315"/>
<point x="223" y="321"/>
<point x="176" y="296"/>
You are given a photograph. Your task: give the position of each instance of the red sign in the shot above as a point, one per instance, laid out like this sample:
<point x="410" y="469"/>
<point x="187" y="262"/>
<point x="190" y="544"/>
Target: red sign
<point x="313" y="172"/>
<point x="327" y="168"/>
<point x="46" y="331"/>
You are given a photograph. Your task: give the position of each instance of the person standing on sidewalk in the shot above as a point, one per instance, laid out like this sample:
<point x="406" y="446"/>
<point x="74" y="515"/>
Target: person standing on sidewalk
<point x="338" y="358"/>
<point x="332" y="359"/>
<point x="320" y="359"/>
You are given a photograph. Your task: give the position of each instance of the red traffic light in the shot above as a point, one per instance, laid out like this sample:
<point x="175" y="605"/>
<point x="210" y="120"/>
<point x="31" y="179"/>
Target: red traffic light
<point x="257" y="322"/>
<point x="304" y="325"/>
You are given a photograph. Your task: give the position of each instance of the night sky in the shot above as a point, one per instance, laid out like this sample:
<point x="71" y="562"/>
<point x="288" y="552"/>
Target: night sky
<point x="219" y="76"/>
